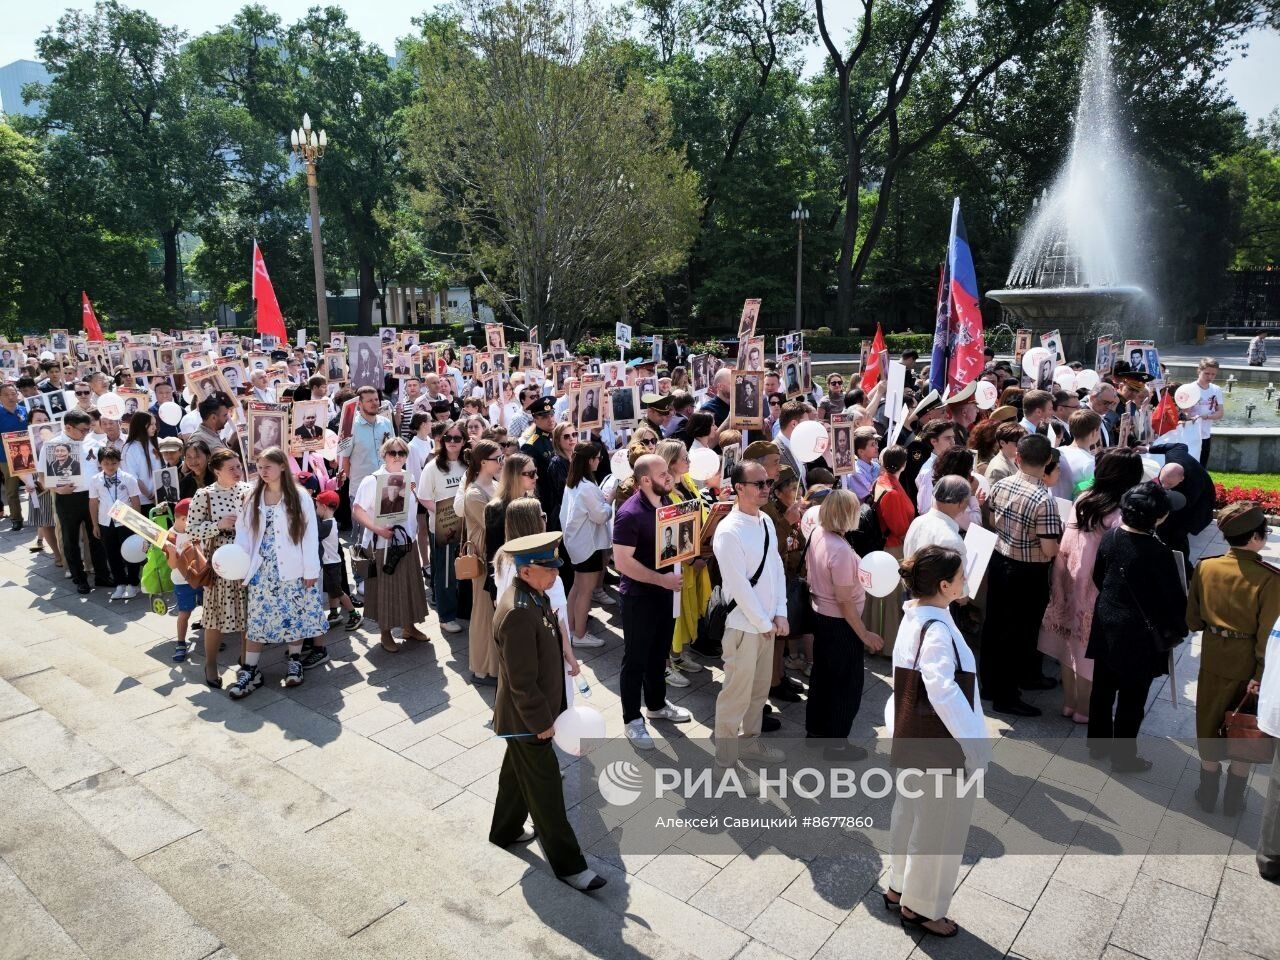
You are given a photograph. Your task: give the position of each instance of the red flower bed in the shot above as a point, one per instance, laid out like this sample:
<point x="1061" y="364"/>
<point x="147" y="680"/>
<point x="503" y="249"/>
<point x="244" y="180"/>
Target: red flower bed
<point x="1268" y="500"/>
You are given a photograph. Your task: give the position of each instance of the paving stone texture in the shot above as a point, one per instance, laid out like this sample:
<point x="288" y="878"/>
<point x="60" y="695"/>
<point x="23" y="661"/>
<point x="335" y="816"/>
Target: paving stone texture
<point x="143" y="815"/>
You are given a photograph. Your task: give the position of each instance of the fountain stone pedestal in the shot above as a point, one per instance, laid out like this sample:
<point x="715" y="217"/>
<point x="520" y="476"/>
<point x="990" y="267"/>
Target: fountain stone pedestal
<point x="1079" y="313"/>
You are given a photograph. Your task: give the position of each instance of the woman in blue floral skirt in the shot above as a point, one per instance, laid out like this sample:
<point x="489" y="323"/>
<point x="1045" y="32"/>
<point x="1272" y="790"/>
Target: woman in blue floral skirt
<point x="277" y="528"/>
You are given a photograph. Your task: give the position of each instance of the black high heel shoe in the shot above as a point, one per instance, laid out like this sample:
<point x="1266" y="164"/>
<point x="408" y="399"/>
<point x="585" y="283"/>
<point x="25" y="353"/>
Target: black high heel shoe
<point x="918" y="922"/>
<point x="891" y="905"/>
<point x="215" y="683"/>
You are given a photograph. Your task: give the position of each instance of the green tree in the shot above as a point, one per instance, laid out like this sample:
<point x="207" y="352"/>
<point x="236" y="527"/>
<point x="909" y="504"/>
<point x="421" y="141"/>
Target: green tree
<point x="119" y="87"/>
<point x="569" y="200"/>
<point x="1253" y="172"/>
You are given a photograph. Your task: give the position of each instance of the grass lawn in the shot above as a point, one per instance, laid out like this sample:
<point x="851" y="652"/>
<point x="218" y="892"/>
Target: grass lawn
<point x="1249" y="481"/>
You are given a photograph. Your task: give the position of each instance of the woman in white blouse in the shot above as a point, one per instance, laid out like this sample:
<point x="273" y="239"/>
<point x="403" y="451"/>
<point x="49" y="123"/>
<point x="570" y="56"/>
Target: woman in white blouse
<point x="140" y="456"/>
<point x="936" y="822"/>
<point x="584" y="518"/>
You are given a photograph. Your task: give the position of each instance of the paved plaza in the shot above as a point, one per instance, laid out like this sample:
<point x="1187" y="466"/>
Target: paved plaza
<point x="147" y="816"/>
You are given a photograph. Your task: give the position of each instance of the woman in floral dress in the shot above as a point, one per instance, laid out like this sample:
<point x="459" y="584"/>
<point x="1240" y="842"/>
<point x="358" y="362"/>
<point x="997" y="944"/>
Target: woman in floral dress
<point x="277" y="528"/>
<point x="211" y="522"/>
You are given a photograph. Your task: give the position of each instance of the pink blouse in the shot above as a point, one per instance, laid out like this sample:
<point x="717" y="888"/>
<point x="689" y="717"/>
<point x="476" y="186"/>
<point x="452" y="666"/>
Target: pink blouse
<point x="833" y="573"/>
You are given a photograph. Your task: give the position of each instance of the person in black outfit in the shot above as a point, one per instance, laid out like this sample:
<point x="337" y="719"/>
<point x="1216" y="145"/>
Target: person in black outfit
<point x="1192" y="512"/>
<point x="1141" y="609"/>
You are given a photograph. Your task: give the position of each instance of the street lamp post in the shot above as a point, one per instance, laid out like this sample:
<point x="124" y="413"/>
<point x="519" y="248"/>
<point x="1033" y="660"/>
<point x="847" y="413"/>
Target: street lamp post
<point x="309" y="146"/>
<point x="799" y="215"/>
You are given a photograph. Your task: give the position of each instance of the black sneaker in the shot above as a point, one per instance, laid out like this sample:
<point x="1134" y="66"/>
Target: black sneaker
<point x="83" y="589"/>
<point x="1017" y="708"/>
<point x="314" y="657"/>
<point x="769" y="724"/>
<point x="334" y="618"/>
<point x="354" y="621"/>
<point x="17" y="525"/>
<point x="784" y="692"/>
<point x="179" y="651"/>
<point x="248" y="679"/>
<point x="294" y="677"/>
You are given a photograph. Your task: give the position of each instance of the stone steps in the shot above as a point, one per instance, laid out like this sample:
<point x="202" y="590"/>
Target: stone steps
<point x="250" y="788"/>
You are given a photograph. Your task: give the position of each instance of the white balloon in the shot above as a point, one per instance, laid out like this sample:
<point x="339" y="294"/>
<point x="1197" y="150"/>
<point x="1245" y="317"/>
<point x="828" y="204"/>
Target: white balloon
<point x="134" y="549"/>
<point x="1187" y="396"/>
<point x="576" y="724"/>
<point x="1150" y="469"/>
<point x="809" y="440"/>
<point x="983" y="483"/>
<point x="985" y="395"/>
<point x="704" y="463"/>
<point x="879" y="573"/>
<point x="1066" y="380"/>
<point x="190" y="423"/>
<point x="619" y="465"/>
<point x="1032" y="359"/>
<point x="230" y="562"/>
<point x="111" y="406"/>
<point x="1087" y="379"/>
<point x="330" y="450"/>
<point x="70" y="397"/>
<point x="809" y="522"/>
<point x="170" y="413"/>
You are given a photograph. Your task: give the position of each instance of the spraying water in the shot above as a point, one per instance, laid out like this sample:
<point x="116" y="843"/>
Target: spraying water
<point x="1084" y="230"/>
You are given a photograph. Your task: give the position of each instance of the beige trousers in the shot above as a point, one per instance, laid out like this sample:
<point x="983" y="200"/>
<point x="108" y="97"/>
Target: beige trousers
<point x="926" y="841"/>
<point x="748" y="670"/>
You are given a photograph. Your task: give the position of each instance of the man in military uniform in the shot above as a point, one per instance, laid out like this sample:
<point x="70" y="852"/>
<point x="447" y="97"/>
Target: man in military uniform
<point x="918" y="450"/>
<point x="531" y="694"/>
<point x="1235" y="599"/>
<point x="536" y="442"/>
<point x="657" y="412"/>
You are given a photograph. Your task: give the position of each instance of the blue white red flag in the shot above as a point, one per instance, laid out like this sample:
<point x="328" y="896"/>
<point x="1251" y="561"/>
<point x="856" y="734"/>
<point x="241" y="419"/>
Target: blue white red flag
<point x="957" y="338"/>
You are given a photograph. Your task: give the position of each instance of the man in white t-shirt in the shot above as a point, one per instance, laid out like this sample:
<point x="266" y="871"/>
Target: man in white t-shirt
<point x="1210" y="406"/>
<point x="1075" y="472"/>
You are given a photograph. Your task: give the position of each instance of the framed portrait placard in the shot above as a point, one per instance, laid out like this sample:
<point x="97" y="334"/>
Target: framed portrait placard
<point x="624" y="406"/>
<point x="841" y="444"/>
<point x="309" y="421"/>
<point x="19" y="452"/>
<point x="268" y="427"/>
<point x="495" y="338"/>
<point x="677" y="535"/>
<point x="126" y="516"/>
<point x="719" y="510"/>
<point x="591" y="405"/>
<point x="747" y="401"/>
<point x="391" y="498"/>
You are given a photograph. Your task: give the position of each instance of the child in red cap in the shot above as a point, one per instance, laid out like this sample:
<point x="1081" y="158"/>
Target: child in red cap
<point x="186" y="596"/>
<point x="333" y="573"/>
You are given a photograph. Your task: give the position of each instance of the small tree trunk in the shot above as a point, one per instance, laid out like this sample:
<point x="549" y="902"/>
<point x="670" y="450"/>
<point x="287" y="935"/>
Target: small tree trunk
<point x="368" y="292"/>
<point x="170" y="240"/>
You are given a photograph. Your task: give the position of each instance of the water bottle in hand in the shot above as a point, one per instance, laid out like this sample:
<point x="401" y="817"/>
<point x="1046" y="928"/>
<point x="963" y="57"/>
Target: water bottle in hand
<point x="584" y="688"/>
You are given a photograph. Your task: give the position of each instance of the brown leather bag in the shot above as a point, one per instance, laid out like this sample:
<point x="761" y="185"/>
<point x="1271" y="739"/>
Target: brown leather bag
<point x="920" y="738"/>
<point x="467" y="566"/>
<point x="194" y="566"/>
<point x="1245" y="742"/>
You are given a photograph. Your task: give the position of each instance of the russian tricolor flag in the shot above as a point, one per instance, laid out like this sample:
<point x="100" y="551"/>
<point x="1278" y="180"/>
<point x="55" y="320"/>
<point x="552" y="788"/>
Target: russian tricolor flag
<point x="957" y="336"/>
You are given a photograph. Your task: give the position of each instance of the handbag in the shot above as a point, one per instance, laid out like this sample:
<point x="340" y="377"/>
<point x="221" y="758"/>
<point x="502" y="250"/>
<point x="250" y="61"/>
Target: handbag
<point x="717" y="616"/>
<point x="1245" y="741"/>
<point x="1165" y="639"/>
<point x="799" y="609"/>
<point x="920" y="738"/>
<point x="194" y="566"/>
<point x="466" y="565"/>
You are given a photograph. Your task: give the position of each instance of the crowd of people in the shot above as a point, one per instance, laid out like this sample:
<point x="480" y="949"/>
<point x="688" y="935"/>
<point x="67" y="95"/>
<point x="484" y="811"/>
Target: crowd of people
<point x="519" y="521"/>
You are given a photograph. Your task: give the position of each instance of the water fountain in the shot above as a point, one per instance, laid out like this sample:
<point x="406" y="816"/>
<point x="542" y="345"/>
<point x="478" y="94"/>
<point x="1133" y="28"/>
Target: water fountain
<point x="1079" y="265"/>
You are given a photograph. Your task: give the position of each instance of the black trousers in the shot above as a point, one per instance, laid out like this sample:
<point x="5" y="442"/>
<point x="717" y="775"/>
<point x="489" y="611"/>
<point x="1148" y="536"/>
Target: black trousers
<point x="1009" y="654"/>
<point x="529" y="785"/>
<point x="1116" y="706"/>
<point x="122" y="572"/>
<point x="1204" y="451"/>
<point x="73" y="516"/>
<point x="647" y="627"/>
<point x="835" y="685"/>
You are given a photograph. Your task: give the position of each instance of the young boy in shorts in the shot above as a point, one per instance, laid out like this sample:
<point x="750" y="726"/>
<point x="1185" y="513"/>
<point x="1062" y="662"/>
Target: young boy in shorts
<point x="333" y="573"/>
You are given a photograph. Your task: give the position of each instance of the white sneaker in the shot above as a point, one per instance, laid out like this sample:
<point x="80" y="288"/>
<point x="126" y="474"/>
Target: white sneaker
<point x="119" y="593"/>
<point x="130" y="592"/>
<point x="451" y="626"/>
<point x="601" y="596"/>
<point x="639" y="736"/>
<point x="685" y="662"/>
<point x="752" y="748"/>
<point x="586" y="640"/>
<point x="669" y="712"/>
<point x="675" y="678"/>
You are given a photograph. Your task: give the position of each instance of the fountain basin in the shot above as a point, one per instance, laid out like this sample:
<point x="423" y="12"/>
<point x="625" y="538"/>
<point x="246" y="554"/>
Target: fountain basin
<point x="1079" y="313"/>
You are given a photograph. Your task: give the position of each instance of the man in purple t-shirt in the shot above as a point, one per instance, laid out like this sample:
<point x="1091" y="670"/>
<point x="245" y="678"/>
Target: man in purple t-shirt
<point x="648" y="619"/>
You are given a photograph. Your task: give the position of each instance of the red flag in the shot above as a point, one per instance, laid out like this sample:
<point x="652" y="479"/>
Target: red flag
<point x="878" y="349"/>
<point x="92" y="330"/>
<point x="270" y="320"/>
<point x="1165" y="416"/>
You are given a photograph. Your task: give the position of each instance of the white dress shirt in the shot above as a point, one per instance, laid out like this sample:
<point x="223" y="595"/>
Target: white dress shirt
<point x="584" y="518"/>
<point x="133" y="459"/>
<point x="924" y="485"/>
<point x="738" y="544"/>
<point x="937" y="665"/>
<point x="1269" y="694"/>
<point x="933" y="529"/>
<point x="107" y="496"/>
